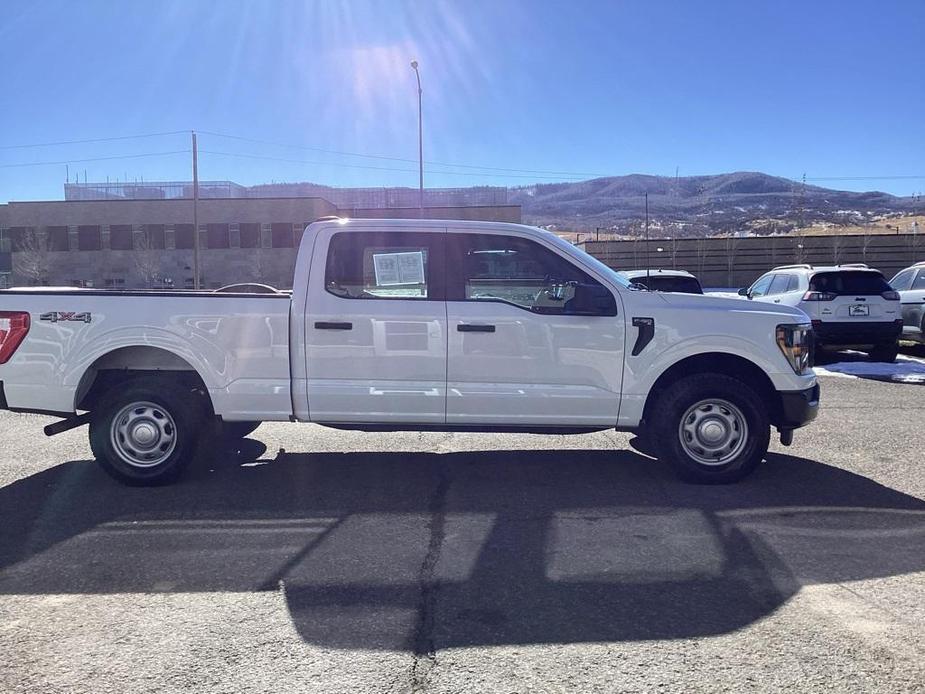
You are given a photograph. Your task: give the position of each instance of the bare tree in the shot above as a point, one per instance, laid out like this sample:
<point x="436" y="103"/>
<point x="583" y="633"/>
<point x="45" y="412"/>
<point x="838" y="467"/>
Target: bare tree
<point x="259" y="268"/>
<point x="732" y="245"/>
<point x="914" y="242"/>
<point x="673" y="249"/>
<point x="838" y="245"/>
<point x="701" y="248"/>
<point x="866" y="241"/>
<point x="31" y="257"/>
<point x="147" y="260"/>
<point x="799" y="252"/>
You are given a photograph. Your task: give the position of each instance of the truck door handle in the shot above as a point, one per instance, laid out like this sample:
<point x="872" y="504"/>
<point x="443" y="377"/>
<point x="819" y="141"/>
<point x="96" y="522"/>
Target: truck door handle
<point x="327" y="325"/>
<point x="475" y="328"/>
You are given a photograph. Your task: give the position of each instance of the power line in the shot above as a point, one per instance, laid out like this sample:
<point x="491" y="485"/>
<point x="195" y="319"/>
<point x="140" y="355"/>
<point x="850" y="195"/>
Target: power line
<point x="97" y="139"/>
<point x="865" y="178"/>
<point x="399" y="159"/>
<point x="80" y="161"/>
<point x="363" y="166"/>
<point x="505" y="171"/>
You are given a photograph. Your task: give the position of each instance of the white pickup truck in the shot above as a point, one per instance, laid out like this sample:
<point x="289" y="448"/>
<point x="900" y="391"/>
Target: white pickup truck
<point x="413" y="325"/>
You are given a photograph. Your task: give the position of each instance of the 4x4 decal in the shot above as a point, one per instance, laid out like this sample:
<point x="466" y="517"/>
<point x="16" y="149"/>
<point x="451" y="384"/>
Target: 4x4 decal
<point x="71" y="316"/>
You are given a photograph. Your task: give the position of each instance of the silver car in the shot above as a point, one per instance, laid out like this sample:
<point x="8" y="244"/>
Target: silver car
<point x="910" y="283"/>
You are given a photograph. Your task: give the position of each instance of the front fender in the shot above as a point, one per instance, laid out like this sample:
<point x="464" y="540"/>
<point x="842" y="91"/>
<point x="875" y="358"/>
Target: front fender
<point x="641" y="372"/>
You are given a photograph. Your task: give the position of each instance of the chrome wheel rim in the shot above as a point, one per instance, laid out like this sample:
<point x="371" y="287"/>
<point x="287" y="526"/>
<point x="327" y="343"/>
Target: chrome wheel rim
<point x="713" y="431"/>
<point x="143" y="434"/>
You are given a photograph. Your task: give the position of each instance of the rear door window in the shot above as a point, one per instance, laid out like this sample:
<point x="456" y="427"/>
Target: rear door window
<point x="385" y="265"/>
<point x="919" y="282"/>
<point x="779" y="284"/>
<point x="903" y="280"/>
<point x="845" y="282"/>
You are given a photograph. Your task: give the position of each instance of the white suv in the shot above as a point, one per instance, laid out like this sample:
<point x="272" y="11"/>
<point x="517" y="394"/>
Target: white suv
<point x="910" y="283"/>
<point x="849" y="305"/>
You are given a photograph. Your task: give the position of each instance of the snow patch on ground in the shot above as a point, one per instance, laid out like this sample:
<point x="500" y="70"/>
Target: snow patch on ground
<point x="905" y="370"/>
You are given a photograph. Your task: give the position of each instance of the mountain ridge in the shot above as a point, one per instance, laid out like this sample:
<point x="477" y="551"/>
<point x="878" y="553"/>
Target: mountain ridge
<point x="718" y="203"/>
<point x="705" y="204"/>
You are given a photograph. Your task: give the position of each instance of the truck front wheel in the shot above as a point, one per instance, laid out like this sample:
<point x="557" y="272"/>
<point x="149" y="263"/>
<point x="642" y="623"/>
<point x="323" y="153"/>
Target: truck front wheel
<point x="711" y="428"/>
<point x="146" y="431"/>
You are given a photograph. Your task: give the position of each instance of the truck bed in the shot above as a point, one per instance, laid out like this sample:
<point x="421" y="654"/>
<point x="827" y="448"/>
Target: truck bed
<point x="238" y="344"/>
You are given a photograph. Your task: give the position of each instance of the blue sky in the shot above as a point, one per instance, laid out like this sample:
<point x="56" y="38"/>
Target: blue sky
<point x="571" y="89"/>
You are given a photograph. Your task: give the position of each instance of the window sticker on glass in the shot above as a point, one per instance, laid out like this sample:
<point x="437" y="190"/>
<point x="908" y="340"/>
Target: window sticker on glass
<point x="399" y="268"/>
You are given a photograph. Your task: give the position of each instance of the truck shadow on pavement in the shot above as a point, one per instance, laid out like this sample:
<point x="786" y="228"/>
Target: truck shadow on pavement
<point x="424" y="551"/>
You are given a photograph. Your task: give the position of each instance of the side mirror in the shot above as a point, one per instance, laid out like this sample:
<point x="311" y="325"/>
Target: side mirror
<point x="743" y="291"/>
<point x="591" y="300"/>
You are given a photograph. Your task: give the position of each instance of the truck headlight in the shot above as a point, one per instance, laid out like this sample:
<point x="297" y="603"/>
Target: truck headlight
<point x="796" y="342"/>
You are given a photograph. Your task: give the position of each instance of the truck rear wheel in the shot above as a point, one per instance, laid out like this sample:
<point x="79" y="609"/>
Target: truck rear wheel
<point x="711" y="428"/>
<point x="146" y="432"/>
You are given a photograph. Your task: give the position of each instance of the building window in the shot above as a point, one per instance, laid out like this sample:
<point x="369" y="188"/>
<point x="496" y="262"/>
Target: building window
<point x="218" y="236"/>
<point x="89" y="238"/>
<point x="57" y="238"/>
<point x="183" y="236"/>
<point x="250" y="235"/>
<point x="282" y="234"/>
<point x="153" y="237"/>
<point x="120" y="237"/>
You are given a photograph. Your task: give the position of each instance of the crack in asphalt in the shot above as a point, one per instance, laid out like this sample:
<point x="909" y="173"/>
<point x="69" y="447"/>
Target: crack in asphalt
<point x="424" y="649"/>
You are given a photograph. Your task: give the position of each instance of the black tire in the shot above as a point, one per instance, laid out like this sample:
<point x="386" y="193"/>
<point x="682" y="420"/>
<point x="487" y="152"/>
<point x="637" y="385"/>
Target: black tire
<point x="173" y="412"/>
<point x="885" y="353"/>
<point x="735" y="408"/>
<point x="238" y="430"/>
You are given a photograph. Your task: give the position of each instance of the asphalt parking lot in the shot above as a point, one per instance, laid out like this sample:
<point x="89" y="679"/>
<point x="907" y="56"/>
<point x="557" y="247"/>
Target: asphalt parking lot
<point x="315" y="560"/>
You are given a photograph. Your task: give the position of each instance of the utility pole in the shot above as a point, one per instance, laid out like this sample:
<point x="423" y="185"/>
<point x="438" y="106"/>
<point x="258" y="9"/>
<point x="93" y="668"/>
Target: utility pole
<point x="195" y="213"/>
<point x="414" y="66"/>
<point x="647" y="238"/>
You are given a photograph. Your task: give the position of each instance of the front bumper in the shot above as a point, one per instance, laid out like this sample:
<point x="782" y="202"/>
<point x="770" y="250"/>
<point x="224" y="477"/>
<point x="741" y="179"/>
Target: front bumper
<point x="798" y="407"/>
<point x="845" y="333"/>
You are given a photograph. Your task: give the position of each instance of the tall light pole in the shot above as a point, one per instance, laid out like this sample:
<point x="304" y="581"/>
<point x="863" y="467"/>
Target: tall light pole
<point x="414" y="66"/>
<point x="196" y="274"/>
